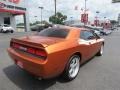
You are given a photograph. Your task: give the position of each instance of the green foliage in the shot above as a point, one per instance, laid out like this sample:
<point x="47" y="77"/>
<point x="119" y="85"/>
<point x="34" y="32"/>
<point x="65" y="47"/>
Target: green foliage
<point x="115" y="1"/>
<point x="113" y="22"/>
<point x="58" y="19"/>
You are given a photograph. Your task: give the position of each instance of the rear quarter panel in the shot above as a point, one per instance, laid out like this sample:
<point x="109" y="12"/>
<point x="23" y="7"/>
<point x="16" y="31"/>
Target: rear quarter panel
<point x="59" y="54"/>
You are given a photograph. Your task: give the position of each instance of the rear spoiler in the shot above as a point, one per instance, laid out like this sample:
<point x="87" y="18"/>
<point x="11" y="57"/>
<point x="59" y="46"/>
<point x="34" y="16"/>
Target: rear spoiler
<point x="28" y="43"/>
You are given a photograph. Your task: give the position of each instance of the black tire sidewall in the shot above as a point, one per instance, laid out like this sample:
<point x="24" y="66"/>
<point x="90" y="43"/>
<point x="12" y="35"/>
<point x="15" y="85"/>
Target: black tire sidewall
<point x="11" y="31"/>
<point x="66" y="73"/>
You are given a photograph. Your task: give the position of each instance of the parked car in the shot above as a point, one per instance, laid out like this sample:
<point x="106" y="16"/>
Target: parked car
<point x="101" y="30"/>
<point x="107" y="31"/>
<point x="87" y="27"/>
<point x="113" y="28"/>
<point x="36" y="28"/>
<point x="4" y="28"/>
<point x="40" y="27"/>
<point x="55" y="51"/>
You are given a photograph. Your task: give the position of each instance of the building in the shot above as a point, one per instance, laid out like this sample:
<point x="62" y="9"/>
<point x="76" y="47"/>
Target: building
<point x="11" y="8"/>
<point x="119" y="19"/>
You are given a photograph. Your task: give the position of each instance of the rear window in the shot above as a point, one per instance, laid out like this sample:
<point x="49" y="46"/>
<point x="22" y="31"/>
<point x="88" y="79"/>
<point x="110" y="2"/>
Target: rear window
<point x="54" y="32"/>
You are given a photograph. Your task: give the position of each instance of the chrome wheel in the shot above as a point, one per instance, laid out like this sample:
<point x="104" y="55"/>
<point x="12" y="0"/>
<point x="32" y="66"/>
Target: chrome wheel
<point x="100" y="53"/>
<point x="101" y="50"/>
<point x="74" y="66"/>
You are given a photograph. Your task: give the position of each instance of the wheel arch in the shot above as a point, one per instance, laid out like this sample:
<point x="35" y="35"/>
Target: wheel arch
<point x="66" y="66"/>
<point x="103" y="43"/>
<point x="77" y="53"/>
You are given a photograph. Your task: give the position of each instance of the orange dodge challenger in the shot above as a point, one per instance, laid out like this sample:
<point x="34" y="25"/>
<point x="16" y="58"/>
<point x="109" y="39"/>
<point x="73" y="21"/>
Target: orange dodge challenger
<point x="55" y="51"/>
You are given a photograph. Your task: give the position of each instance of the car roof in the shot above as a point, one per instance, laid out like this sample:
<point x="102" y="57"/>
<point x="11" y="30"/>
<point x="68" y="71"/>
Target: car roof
<point x="74" y="31"/>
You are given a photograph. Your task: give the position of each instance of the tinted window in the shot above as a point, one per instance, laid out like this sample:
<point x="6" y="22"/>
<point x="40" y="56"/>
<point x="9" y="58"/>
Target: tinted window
<point x="54" y="32"/>
<point x="86" y="35"/>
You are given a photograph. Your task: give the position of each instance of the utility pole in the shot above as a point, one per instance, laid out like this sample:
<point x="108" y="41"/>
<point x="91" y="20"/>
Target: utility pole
<point x="55" y="7"/>
<point x="41" y="13"/>
<point x="71" y="20"/>
<point x="97" y="20"/>
<point x="35" y="18"/>
<point x="85" y="6"/>
<point x="85" y="12"/>
<point x="55" y="11"/>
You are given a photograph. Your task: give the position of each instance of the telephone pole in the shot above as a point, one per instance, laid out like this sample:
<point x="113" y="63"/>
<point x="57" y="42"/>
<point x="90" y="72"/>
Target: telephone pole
<point x="55" y="7"/>
<point x="41" y="13"/>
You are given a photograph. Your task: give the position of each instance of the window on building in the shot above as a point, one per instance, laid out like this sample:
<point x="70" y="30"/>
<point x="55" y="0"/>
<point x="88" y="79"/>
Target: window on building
<point x="7" y="20"/>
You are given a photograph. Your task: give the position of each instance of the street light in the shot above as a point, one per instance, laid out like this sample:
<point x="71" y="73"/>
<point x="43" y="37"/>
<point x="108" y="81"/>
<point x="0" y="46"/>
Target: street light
<point x="97" y="21"/>
<point x="97" y="12"/>
<point x="85" y="15"/>
<point x="104" y="18"/>
<point x="85" y="6"/>
<point x="41" y="13"/>
<point x="35" y="18"/>
<point x="104" y="22"/>
<point x="71" y="19"/>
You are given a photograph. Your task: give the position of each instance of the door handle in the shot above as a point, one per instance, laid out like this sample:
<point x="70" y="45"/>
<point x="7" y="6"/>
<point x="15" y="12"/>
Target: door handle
<point x="90" y="43"/>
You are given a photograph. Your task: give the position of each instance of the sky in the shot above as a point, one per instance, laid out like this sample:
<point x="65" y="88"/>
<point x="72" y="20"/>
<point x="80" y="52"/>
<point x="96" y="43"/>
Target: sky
<point x="67" y="7"/>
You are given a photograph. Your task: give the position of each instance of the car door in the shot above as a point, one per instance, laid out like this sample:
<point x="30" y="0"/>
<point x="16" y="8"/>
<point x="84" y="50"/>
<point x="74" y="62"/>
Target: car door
<point x="93" y="43"/>
<point x="84" y="45"/>
<point x="88" y="43"/>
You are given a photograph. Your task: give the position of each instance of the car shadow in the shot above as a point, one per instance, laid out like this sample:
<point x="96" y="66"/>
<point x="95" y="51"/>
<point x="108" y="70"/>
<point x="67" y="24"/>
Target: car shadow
<point x="25" y="81"/>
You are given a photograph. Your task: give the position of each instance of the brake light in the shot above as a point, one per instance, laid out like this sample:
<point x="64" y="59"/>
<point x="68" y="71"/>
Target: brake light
<point x="41" y="53"/>
<point x="31" y="50"/>
<point x="16" y="45"/>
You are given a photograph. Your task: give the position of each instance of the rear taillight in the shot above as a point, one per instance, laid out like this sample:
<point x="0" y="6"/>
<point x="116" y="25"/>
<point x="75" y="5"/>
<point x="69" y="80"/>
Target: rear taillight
<point x="38" y="52"/>
<point x="31" y="50"/>
<point x="41" y="53"/>
<point x="16" y="45"/>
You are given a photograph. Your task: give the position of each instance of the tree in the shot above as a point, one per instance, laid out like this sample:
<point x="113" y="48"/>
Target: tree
<point x="44" y="22"/>
<point x="58" y="19"/>
<point x="39" y="22"/>
<point x="113" y="22"/>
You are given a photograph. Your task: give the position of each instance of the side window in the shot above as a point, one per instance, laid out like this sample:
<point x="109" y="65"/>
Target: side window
<point x="87" y="35"/>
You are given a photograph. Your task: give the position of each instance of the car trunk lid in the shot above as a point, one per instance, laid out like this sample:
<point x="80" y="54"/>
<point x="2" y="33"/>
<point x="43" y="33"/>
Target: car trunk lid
<point x="37" y="41"/>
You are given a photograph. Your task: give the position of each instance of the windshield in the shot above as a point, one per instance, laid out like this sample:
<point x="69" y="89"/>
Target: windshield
<point x="54" y="32"/>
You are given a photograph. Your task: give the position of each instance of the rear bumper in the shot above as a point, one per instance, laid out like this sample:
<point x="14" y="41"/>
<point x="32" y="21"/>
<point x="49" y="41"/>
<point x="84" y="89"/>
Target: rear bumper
<point x="32" y="65"/>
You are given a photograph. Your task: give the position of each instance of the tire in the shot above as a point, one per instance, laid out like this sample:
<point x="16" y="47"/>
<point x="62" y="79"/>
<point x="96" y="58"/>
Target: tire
<point x="100" y="53"/>
<point x="72" y="68"/>
<point x="1" y="30"/>
<point x="11" y="31"/>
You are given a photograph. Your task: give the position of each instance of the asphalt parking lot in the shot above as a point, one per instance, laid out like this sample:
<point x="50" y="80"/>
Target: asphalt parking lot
<point x="100" y="73"/>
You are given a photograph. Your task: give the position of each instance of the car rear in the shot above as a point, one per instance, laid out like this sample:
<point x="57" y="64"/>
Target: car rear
<point x="30" y="53"/>
<point x="28" y="57"/>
